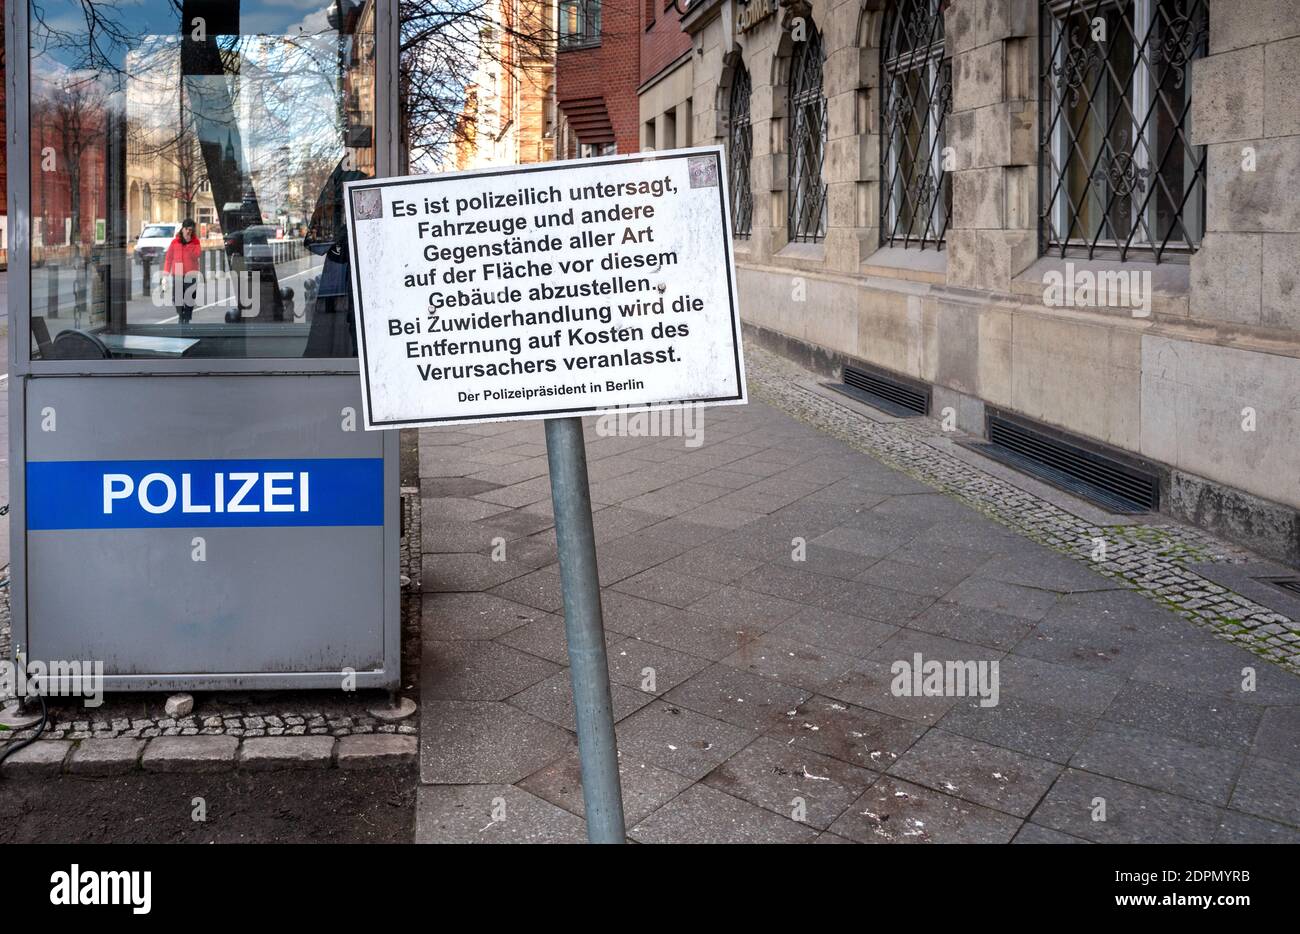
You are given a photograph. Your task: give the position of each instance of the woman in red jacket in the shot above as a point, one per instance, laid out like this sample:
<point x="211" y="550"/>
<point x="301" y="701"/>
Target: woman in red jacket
<point x="182" y="263"/>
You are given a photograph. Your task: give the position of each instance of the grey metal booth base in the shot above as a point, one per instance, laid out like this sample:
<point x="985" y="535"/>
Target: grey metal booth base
<point x="275" y="602"/>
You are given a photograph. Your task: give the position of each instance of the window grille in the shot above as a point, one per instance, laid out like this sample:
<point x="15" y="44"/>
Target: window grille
<point x="806" y="140"/>
<point x="740" y="147"/>
<point x="915" y="99"/>
<point x="1119" y="174"/>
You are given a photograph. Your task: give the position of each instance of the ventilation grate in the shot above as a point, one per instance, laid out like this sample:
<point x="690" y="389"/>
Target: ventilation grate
<point x="1092" y="476"/>
<point x="882" y="392"/>
<point x="1291" y="584"/>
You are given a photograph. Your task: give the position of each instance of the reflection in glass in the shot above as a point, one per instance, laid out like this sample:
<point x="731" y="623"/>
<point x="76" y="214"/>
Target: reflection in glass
<point x="243" y="117"/>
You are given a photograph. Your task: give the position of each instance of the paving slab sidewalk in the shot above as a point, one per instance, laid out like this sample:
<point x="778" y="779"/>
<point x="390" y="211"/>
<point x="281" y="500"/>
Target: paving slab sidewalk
<point x="760" y="588"/>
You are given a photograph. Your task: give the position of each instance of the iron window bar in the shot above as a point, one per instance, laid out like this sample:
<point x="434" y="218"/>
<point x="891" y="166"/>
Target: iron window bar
<point x="1108" y="103"/>
<point x="915" y="100"/>
<point x="806" y="141"/>
<point x="740" y="149"/>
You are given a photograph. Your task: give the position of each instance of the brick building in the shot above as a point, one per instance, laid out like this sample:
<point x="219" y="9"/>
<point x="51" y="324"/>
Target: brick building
<point x="596" y="76"/>
<point x="667" y="77"/>
<point x="69" y="180"/>
<point x="508" y="117"/>
<point x="1068" y="221"/>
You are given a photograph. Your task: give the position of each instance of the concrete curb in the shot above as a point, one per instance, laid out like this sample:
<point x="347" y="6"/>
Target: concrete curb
<point x="104" y="756"/>
<point x="375" y="750"/>
<point x="190" y="754"/>
<point x="47" y="758"/>
<point x="265" y="754"/>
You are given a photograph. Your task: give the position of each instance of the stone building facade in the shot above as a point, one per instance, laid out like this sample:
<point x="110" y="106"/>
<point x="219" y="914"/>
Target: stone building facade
<point x="929" y="191"/>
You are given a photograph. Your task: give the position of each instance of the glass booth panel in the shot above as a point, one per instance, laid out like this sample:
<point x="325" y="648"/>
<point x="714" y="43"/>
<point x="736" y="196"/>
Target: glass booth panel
<point x="188" y="162"/>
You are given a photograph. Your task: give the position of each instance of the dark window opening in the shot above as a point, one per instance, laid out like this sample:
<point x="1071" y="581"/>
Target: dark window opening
<point x="806" y="140"/>
<point x="579" y="24"/>
<point x="740" y="148"/>
<point x="1120" y="176"/>
<point x="916" y="96"/>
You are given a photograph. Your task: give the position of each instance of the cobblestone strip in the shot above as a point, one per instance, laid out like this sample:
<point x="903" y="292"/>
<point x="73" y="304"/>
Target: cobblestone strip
<point x="308" y="723"/>
<point x="1152" y="559"/>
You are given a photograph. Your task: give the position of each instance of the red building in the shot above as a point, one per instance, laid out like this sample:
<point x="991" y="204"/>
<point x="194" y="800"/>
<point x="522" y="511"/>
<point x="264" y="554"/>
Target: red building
<point x="666" y="84"/>
<point x="69" y="203"/>
<point x="596" y="76"/>
<point x="69" y="184"/>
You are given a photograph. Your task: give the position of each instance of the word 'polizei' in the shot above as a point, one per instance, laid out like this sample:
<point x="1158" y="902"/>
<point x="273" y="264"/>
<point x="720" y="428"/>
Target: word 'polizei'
<point x="237" y="491"/>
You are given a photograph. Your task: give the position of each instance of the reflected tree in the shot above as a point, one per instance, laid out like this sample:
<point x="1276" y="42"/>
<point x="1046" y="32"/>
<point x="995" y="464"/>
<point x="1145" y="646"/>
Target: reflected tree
<point x="442" y="43"/>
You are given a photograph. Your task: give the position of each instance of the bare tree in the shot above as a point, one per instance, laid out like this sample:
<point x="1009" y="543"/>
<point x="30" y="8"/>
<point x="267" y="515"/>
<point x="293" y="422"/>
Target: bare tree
<point x="442" y="44"/>
<point x="73" y="109"/>
<point x="93" y="45"/>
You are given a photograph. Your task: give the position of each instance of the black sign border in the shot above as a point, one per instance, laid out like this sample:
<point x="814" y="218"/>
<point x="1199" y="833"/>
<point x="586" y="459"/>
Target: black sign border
<point x="381" y="184"/>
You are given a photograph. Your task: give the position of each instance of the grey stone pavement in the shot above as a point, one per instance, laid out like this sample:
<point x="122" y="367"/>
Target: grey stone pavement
<point x="752" y="691"/>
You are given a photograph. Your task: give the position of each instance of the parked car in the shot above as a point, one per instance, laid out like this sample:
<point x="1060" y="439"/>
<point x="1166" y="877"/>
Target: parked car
<point x="252" y="243"/>
<point x="153" y="242"/>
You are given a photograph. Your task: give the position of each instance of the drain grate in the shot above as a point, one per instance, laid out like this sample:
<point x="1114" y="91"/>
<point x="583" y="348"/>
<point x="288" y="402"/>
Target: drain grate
<point x="883" y="392"/>
<point x="1095" y="477"/>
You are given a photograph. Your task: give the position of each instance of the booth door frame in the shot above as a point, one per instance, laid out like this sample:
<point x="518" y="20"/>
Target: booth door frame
<point x="22" y="369"/>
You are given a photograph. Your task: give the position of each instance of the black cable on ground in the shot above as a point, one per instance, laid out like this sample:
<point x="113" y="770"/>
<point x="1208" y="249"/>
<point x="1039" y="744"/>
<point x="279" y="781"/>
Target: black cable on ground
<point x="11" y="747"/>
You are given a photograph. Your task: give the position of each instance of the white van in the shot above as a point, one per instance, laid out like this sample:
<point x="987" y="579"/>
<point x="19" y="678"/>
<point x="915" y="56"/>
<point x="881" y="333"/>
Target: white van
<point x="153" y="242"/>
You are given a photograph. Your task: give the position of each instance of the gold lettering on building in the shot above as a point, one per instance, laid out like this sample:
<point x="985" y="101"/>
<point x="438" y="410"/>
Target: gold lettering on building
<point x="754" y="13"/>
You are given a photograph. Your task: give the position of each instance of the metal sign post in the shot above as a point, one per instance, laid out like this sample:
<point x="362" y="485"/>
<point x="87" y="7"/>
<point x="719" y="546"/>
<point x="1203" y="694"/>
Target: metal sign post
<point x="584" y="628"/>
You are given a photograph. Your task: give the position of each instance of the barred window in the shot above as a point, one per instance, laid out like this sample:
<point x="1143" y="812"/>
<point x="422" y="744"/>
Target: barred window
<point x="579" y="23"/>
<point x="740" y="146"/>
<point x="806" y="140"/>
<point x="915" y="98"/>
<point x="1120" y="175"/>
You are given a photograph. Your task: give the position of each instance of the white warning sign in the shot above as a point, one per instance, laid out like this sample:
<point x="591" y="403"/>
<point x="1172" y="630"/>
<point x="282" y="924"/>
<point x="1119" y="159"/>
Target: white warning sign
<point x="564" y="288"/>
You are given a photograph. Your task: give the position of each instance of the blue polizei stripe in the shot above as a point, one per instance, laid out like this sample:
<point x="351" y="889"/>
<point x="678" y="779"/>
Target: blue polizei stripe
<point x="174" y="494"/>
